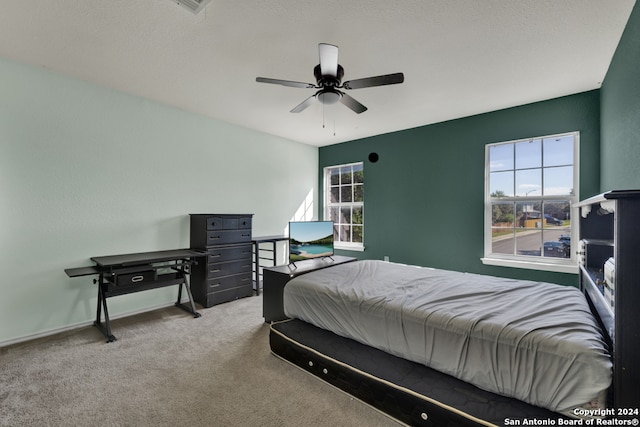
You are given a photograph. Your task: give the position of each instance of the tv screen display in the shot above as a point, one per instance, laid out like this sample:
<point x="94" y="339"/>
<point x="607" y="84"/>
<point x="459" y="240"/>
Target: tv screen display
<point x="310" y="239"/>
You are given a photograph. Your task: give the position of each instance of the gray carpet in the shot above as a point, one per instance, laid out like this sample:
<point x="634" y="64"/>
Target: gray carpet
<point x="169" y="369"/>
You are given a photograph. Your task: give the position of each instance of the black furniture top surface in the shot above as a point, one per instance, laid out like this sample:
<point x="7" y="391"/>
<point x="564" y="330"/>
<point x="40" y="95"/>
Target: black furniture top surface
<point x="308" y="265"/>
<point x="146" y="257"/>
<point x="269" y="238"/>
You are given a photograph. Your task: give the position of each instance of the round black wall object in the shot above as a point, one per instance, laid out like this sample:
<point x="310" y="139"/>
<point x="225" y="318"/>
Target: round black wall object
<point x="373" y="157"/>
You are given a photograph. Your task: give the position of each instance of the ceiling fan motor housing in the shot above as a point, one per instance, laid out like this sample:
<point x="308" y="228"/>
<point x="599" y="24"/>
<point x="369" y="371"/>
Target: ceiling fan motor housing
<point x="328" y="80"/>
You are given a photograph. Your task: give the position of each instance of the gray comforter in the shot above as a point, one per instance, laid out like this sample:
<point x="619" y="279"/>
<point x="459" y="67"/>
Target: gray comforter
<point x="537" y="342"/>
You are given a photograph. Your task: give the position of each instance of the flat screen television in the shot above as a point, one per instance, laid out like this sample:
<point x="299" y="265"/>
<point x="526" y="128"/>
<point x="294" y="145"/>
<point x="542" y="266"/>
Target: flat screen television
<point x="310" y="239"/>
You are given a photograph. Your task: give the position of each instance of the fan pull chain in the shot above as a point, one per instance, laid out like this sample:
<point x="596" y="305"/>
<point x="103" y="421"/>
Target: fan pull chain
<point x="322" y="116"/>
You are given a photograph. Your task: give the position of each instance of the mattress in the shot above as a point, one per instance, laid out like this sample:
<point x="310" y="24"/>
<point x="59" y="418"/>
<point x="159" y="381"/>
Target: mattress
<point x="537" y="342"/>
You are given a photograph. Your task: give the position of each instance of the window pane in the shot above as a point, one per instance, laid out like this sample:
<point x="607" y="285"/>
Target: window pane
<point x="500" y="157"/>
<point x="345" y="175"/>
<point x="356" y="215"/>
<point x="528" y="182"/>
<point x="358" y="193"/>
<point x="345" y="215"/>
<point x="358" y="173"/>
<point x="344" y="233"/>
<point x="336" y="232"/>
<point x="528" y="214"/>
<point x="558" y="181"/>
<point x="557" y="229"/>
<point x="558" y="151"/>
<point x="357" y="234"/>
<point x="345" y="193"/>
<point x="334" y="214"/>
<point x="335" y="176"/>
<point x="528" y="242"/>
<point x="529" y="231"/>
<point x="529" y="154"/>
<point x="501" y="184"/>
<point x="334" y="196"/>
<point x="502" y="228"/>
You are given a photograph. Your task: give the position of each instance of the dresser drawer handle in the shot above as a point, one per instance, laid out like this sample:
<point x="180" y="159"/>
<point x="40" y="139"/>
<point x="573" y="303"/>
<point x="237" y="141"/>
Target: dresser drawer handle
<point x="135" y="279"/>
<point x="216" y="285"/>
<point x="215" y="270"/>
<point x="246" y="235"/>
<point x="214" y="237"/>
<point x="215" y="255"/>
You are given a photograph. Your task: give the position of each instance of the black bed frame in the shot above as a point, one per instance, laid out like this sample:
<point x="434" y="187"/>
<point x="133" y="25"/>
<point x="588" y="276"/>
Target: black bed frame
<point x="407" y="391"/>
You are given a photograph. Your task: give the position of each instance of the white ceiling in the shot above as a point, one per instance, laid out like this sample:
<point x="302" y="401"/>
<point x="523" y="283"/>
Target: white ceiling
<point x="459" y="57"/>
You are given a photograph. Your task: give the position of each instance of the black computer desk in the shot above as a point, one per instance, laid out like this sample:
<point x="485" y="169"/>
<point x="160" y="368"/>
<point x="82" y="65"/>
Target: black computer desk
<point x="128" y="273"/>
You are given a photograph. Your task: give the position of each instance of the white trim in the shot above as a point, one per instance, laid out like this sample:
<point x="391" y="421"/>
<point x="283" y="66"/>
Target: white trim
<point x="344" y="246"/>
<point x="532" y="265"/>
<point x="538" y="263"/>
<point x="83" y="324"/>
<point x="326" y="206"/>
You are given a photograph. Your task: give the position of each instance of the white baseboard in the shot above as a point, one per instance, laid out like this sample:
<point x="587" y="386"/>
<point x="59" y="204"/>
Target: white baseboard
<point x="81" y="325"/>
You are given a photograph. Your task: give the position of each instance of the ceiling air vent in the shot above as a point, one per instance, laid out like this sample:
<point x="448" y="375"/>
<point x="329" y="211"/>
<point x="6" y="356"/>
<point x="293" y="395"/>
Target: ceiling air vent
<point x="194" y="6"/>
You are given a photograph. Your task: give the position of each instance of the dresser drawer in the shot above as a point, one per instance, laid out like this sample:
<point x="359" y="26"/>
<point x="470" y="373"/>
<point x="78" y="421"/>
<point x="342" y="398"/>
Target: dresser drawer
<point x="215" y="223"/>
<point x="226" y="295"/>
<point x="228" y="268"/>
<point x="229" y="253"/>
<point x="226" y="223"/>
<point x="227" y="282"/>
<point x="221" y="237"/>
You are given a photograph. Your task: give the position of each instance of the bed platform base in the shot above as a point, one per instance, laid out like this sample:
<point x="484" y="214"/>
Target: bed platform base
<point x="409" y="392"/>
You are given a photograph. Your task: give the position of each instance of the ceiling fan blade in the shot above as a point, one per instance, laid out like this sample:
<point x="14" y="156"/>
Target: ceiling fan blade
<point x="304" y="104"/>
<point x="387" y="79"/>
<point x="285" y="83"/>
<point x="352" y="103"/>
<point x="328" y="59"/>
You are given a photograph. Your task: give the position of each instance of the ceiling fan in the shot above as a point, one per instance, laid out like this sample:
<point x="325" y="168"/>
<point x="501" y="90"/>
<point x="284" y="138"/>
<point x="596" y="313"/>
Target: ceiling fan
<point x="329" y="80"/>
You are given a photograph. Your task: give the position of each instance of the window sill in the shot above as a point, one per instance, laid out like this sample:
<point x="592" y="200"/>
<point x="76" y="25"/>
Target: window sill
<point x="357" y="248"/>
<point x="571" y="268"/>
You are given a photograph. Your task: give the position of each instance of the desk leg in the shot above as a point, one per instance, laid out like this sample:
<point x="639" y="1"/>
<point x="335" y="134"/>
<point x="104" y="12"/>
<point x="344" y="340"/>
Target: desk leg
<point x="192" y="307"/>
<point x="102" y="304"/>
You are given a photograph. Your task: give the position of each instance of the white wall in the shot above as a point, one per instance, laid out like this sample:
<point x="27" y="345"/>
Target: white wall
<point x="87" y="171"/>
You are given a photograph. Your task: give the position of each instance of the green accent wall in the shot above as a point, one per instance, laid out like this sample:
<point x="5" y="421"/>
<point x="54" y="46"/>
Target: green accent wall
<point x="424" y="198"/>
<point x="620" y="120"/>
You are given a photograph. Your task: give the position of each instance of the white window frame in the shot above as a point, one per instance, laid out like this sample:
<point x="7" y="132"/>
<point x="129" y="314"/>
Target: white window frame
<point x="350" y="246"/>
<point x="561" y="265"/>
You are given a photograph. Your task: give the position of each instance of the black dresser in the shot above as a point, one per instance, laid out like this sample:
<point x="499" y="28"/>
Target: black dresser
<point x="226" y="272"/>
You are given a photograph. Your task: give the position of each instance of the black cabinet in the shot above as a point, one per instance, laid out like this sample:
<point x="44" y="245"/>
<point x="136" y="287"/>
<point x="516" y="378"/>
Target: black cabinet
<point x="225" y="274"/>
<point x="609" y="277"/>
<point x="276" y="278"/>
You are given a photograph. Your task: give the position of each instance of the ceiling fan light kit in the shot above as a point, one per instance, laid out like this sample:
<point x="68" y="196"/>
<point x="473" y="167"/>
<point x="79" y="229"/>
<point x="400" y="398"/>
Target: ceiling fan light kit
<point x="328" y="74"/>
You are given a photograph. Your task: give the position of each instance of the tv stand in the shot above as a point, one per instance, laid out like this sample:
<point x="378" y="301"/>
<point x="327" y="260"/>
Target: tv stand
<point x="276" y="278"/>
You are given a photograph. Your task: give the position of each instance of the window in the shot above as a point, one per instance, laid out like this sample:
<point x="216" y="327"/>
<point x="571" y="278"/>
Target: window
<point x="344" y="204"/>
<point x="530" y="186"/>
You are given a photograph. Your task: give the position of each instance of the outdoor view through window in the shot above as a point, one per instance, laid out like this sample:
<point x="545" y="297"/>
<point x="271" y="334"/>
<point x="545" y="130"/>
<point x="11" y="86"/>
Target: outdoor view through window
<point x="531" y="188"/>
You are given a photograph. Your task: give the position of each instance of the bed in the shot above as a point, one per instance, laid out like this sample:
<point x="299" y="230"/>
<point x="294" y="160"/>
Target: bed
<point x="436" y="347"/>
